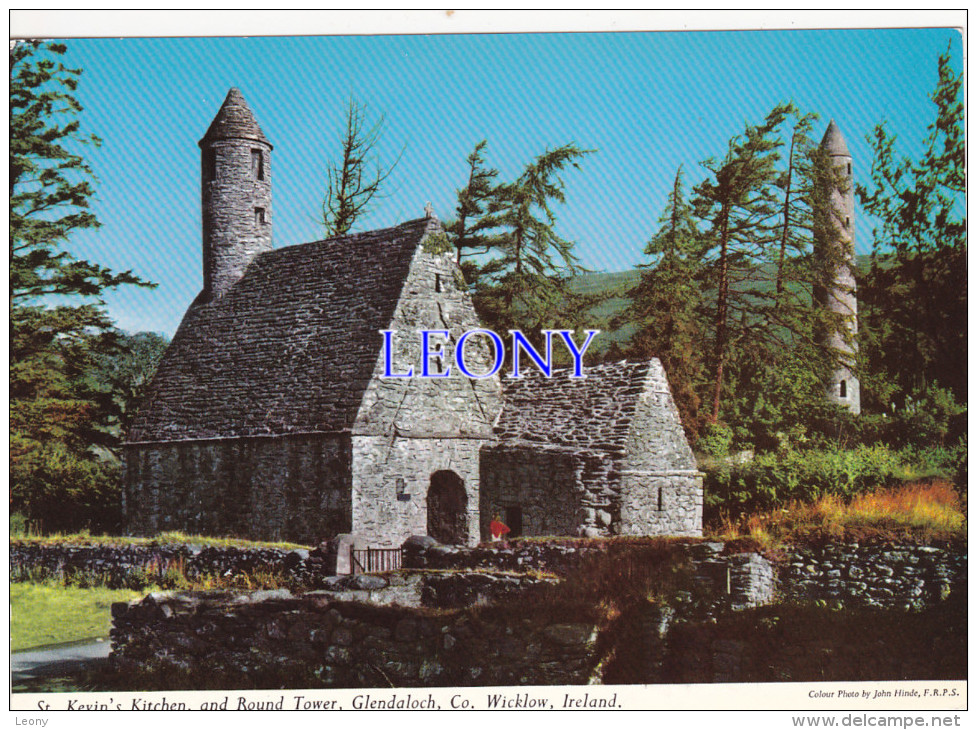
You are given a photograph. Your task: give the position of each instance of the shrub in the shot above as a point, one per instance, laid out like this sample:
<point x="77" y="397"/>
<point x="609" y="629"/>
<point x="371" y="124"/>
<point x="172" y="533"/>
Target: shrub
<point x="774" y="479"/>
<point x="716" y="440"/>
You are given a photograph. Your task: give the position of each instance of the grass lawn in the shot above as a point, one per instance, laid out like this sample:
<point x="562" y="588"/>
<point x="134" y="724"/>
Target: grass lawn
<point x="46" y="614"/>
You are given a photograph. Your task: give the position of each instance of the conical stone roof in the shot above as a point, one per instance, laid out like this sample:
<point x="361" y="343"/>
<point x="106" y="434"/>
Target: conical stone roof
<point x="235" y="120"/>
<point x="834" y="141"/>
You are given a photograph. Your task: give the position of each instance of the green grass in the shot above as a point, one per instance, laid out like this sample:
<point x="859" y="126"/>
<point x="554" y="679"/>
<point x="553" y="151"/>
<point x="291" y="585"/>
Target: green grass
<point x="164" y="538"/>
<point x="46" y="614"/>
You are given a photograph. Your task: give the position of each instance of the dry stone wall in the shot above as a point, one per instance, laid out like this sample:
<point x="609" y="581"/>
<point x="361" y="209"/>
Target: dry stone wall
<point x="274" y="639"/>
<point x="908" y="577"/>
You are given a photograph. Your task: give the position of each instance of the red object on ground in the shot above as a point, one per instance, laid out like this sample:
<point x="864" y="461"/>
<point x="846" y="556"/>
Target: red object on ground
<point x="498" y="529"/>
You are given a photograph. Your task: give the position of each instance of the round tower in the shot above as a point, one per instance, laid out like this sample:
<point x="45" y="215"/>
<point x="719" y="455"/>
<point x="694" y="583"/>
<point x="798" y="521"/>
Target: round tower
<point x="235" y="192"/>
<point x="835" y="248"/>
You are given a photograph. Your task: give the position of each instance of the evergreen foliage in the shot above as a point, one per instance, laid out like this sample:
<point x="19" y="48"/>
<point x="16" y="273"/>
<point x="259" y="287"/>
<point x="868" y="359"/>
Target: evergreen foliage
<point x="521" y="280"/>
<point x="60" y="476"/>
<point x="914" y="299"/>
<point x="354" y="181"/>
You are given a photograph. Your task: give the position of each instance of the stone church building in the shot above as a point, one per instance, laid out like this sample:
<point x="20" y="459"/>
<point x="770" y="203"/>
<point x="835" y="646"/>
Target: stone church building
<point x="270" y="416"/>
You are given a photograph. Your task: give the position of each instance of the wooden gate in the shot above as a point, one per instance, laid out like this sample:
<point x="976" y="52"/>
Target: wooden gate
<point x="374" y="560"/>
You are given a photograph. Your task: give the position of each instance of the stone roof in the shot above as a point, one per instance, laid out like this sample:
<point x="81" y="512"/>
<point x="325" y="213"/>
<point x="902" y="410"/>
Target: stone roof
<point x="289" y="348"/>
<point x="834" y="141"/>
<point x="593" y="412"/>
<point x="234" y="120"/>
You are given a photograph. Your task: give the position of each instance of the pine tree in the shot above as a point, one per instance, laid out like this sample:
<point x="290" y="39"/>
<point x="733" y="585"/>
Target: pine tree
<point x="525" y="283"/>
<point x="57" y="329"/>
<point x="665" y="306"/>
<point x="470" y="231"/>
<point x="739" y="204"/>
<point x="914" y="299"/>
<point x="354" y="181"/>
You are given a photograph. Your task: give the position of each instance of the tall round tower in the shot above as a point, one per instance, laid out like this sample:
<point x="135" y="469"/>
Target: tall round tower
<point x="235" y="191"/>
<point x="835" y="248"/>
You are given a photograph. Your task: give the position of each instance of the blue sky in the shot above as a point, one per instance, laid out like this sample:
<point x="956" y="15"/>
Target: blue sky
<point x="647" y="102"/>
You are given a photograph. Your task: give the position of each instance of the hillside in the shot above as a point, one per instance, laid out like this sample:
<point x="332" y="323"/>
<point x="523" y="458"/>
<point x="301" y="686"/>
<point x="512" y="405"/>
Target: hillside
<point x="616" y="285"/>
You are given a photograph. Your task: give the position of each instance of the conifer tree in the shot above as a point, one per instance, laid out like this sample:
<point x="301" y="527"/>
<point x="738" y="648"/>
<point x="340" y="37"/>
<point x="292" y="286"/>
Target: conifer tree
<point x="914" y="299"/>
<point x="58" y="327"/>
<point x="665" y="306"/>
<point x="469" y="231"/>
<point x="525" y="283"/>
<point x="355" y="181"/>
<point x="739" y="205"/>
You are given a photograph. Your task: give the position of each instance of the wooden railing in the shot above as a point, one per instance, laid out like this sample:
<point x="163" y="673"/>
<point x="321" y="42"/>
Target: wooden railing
<point x="374" y="560"/>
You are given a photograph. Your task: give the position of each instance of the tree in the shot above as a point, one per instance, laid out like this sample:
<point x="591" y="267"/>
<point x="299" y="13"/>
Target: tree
<point x="914" y="298"/>
<point x="124" y="372"/>
<point x="739" y="205"/>
<point x="525" y="284"/>
<point x="469" y="230"/>
<point x="57" y="330"/>
<point x="354" y="182"/>
<point x="665" y="306"/>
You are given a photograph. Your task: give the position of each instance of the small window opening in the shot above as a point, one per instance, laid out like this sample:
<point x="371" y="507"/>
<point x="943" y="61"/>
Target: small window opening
<point x="843" y="388"/>
<point x="402" y="494"/>
<point x="659" y="499"/>
<point x="847" y="222"/>
<point x="257" y="165"/>
<point x="437" y="283"/>
<point x="210" y="165"/>
<point x="513" y="520"/>
<point x="259" y="216"/>
<point x="849" y="169"/>
<point x="437" y="360"/>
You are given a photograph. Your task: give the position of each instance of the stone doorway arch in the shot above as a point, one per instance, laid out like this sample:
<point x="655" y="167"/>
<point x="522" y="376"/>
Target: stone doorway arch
<point x="447" y="509"/>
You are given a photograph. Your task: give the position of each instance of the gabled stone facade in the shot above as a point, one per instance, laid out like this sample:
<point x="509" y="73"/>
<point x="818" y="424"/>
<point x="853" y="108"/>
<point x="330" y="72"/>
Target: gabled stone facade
<point x="270" y="416"/>
<point x="596" y="456"/>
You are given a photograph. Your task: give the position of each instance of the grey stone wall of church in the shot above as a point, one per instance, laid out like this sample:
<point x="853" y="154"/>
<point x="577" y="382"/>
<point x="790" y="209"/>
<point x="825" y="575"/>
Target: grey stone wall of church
<point x="432" y="298"/>
<point x="294" y="488"/>
<point x="385" y="519"/>
<point x="407" y="429"/>
<point x="661" y="503"/>
<point x="560" y="491"/>
<point x="656" y="441"/>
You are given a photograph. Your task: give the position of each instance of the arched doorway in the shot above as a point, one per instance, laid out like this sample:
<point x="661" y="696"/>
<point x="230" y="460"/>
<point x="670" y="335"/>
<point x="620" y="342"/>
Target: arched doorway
<point x="447" y="509"/>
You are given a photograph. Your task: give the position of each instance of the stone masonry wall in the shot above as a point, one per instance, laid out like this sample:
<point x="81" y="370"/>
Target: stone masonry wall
<point x="294" y="488"/>
<point x="274" y="639"/>
<point x="561" y="491"/>
<point x="408" y="428"/>
<point x="665" y="503"/>
<point x="381" y="517"/>
<point x="909" y="577"/>
<point x="233" y="233"/>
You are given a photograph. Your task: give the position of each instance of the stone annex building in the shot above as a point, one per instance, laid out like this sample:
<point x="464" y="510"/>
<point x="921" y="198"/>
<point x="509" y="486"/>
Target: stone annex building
<point x="269" y="416"/>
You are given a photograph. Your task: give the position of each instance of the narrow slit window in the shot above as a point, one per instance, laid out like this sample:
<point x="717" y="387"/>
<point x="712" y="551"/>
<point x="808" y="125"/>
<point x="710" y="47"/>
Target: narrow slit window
<point x="259" y="216"/>
<point x="210" y="165"/>
<point x="437" y="283"/>
<point x="659" y="499"/>
<point x="257" y="165"/>
<point x="843" y="388"/>
<point x="402" y="494"/>
<point x="849" y="169"/>
<point x="847" y="222"/>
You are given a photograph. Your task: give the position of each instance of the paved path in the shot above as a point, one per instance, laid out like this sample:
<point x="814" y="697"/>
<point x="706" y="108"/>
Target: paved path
<point x="58" y="660"/>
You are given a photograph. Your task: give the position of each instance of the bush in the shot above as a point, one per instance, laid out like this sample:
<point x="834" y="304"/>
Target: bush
<point x="716" y="440"/>
<point x="773" y="479"/>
